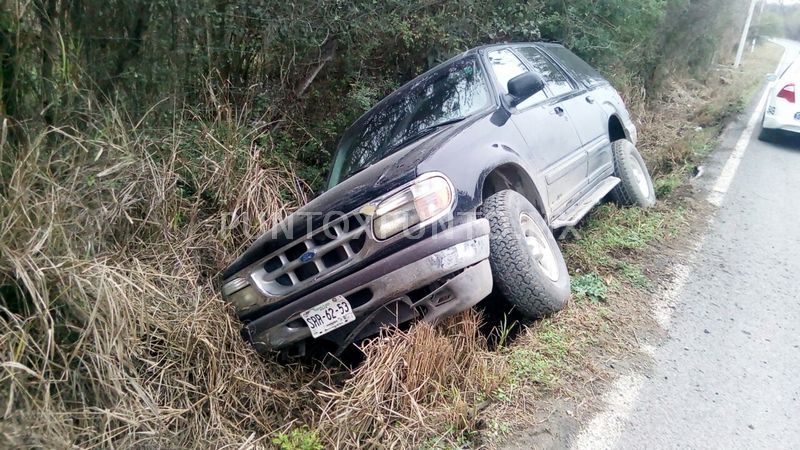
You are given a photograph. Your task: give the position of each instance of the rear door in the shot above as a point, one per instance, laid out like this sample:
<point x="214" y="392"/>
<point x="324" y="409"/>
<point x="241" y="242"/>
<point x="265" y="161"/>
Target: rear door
<point x="553" y="143"/>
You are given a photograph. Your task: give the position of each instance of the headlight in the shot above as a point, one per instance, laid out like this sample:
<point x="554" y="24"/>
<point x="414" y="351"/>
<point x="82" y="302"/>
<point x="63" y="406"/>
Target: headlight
<point x="423" y="200"/>
<point x="240" y="293"/>
<point x="245" y="298"/>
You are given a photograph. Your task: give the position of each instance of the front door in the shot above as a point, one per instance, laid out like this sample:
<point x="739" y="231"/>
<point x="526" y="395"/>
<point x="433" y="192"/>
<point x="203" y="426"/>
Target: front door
<point x="553" y="142"/>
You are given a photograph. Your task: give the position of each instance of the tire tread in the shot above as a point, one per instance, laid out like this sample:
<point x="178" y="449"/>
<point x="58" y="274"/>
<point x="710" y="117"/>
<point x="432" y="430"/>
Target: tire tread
<point x="626" y="193"/>
<point x="515" y="273"/>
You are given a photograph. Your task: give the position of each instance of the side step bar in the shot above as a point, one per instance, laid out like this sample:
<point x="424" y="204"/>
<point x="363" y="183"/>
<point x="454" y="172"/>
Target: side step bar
<point x="576" y="212"/>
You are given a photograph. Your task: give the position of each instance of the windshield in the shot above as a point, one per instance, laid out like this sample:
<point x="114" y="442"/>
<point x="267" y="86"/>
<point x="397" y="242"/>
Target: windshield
<point x="446" y="95"/>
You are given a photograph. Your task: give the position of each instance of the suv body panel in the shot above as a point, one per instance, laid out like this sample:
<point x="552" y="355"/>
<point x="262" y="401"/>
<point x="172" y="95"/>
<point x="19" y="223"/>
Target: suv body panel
<point x="558" y="147"/>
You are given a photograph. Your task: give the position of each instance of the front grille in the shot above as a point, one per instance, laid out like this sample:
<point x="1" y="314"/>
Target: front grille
<point x="313" y="257"/>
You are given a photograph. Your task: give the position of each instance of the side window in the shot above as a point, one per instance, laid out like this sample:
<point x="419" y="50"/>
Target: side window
<point x="556" y="81"/>
<point x="506" y="66"/>
<point x="580" y="70"/>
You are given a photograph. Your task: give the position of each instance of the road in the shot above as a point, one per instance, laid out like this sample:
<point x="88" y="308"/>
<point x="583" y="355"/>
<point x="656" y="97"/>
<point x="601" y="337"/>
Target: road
<point x="728" y="376"/>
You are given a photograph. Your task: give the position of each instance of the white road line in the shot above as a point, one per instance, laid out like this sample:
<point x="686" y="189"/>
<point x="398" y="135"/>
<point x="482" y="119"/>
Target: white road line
<point x="605" y="429"/>
<point x="665" y="305"/>
<point x="720" y="188"/>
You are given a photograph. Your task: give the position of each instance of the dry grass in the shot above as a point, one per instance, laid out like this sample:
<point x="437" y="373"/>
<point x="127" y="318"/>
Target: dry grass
<point x="112" y="333"/>
<point x="676" y="128"/>
<point x="414" y="385"/>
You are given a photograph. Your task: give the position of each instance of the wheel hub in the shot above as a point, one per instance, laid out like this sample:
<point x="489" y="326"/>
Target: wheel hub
<point x="641" y="180"/>
<point x="539" y="247"/>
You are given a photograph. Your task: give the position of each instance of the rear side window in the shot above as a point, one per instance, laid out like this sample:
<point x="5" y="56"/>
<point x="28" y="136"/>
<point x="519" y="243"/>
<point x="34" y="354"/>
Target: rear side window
<point x="578" y="68"/>
<point x="556" y="81"/>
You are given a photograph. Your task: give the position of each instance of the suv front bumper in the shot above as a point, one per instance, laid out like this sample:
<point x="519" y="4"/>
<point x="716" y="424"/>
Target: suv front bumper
<point x="431" y="279"/>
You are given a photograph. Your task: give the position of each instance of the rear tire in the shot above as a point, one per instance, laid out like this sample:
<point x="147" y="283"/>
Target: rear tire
<point x="766" y="134"/>
<point x="527" y="264"/>
<point x="636" y="185"/>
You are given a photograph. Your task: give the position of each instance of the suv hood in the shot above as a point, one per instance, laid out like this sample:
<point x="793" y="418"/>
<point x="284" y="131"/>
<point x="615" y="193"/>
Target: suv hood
<point x="389" y="173"/>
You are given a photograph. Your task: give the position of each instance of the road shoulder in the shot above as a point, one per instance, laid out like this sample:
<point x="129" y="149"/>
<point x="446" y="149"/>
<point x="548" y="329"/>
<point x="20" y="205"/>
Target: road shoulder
<point x="599" y="391"/>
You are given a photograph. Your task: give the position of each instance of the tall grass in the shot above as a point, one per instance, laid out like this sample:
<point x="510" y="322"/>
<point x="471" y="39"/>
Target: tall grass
<point x="414" y="385"/>
<point x="112" y="332"/>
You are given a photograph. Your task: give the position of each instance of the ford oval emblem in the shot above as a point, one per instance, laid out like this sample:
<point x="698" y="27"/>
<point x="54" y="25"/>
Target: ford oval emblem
<point x="308" y="256"/>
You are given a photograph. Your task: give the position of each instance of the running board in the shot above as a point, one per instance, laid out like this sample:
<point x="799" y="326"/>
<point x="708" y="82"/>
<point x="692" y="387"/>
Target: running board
<point x="573" y="215"/>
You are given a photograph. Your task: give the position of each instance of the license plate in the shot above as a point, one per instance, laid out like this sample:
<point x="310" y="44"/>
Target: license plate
<point x="328" y="316"/>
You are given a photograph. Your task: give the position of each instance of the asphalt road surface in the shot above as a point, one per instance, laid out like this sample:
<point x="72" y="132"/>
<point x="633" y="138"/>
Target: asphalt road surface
<point x="728" y="376"/>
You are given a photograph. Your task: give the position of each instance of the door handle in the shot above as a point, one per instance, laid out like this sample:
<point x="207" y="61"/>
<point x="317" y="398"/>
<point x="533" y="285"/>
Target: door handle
<point x="558" y="110"/>
<point x="590" y="99"/>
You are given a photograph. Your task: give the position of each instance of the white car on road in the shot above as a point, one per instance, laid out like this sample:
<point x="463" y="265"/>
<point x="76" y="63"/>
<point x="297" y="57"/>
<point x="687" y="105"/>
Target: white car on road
<point x="782" y="111"/>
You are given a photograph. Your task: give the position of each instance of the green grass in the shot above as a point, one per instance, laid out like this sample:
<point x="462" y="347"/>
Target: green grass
<point x="449" y="439"/>
<point x="697" y="144"/>
<point x="589" y="286"/>
<point x="702" y="142"/>
<point x="667" y="184"/>
<point x="498" y="427"/>
<point x="610" y="229"/>
<point x="633" y="274"/>
<point x="538" y="365"/>
<point x="611" y="239"/>
<point x="298" y="439"/>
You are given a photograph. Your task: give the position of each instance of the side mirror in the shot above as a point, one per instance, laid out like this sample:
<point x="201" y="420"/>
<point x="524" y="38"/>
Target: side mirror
<point x="523" y="86"/>
<point x="772" y="77"/>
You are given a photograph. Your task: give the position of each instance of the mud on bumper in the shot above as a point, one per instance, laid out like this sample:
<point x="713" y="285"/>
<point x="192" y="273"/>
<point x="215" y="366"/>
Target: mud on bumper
<point x="432" y="279"/>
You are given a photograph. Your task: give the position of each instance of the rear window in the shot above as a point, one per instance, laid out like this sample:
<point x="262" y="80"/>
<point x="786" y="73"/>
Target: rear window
<point x="578" y="68"/>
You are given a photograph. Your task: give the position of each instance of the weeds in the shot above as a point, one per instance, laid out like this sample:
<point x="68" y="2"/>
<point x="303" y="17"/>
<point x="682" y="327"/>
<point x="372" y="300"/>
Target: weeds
<point x="539" y="363"/>
<point x="112" y="332"/>
<point x="413" y="383"/>
<point x="611" y="233"/>
<point x="589" y="286"/>
<point x="298" y="439"/>
<point x="633" y="273"/>
<point x="667" y="184"/>
<point x="530" y="366"/>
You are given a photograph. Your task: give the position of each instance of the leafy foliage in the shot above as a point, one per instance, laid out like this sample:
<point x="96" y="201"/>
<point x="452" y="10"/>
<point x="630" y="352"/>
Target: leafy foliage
<point x="309" y="68"/>
<point x="590" y="286"/>
<point x="298" y="439"/>
<point x="779" y="20"/>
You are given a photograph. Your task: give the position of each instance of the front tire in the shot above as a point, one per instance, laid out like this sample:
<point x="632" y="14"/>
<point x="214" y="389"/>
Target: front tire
<point x="527" y="264"/>
<point x="636" y="185"/>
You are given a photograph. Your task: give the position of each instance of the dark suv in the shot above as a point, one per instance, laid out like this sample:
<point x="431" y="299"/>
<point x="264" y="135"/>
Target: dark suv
<point x="448" y="186"/>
